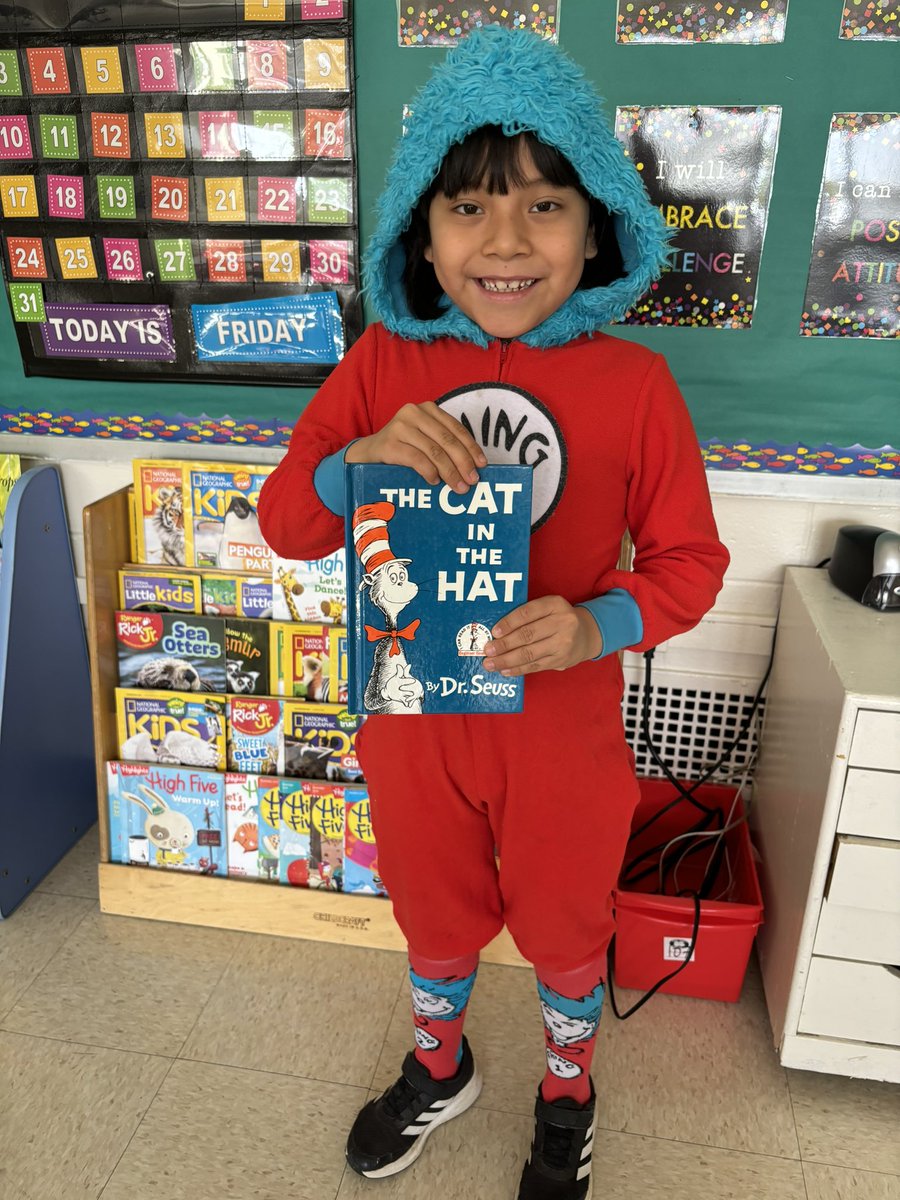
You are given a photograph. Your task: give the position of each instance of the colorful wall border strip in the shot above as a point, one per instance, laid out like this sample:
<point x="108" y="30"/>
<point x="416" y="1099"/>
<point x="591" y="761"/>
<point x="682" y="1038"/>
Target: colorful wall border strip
<point x="717" y="454"/>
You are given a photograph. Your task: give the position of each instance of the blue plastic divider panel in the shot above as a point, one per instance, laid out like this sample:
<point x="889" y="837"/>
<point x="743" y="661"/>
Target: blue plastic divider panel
<point x="48" y="782"/>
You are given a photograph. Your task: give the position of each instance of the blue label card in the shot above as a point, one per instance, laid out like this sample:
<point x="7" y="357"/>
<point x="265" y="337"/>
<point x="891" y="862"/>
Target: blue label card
<point x="289" y="329"/>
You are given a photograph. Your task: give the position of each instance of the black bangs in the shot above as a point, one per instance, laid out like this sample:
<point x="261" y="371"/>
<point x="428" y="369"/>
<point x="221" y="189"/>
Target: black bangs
<point x="488" y="158"/>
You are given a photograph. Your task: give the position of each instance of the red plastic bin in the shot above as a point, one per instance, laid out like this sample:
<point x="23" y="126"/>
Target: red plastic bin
<point x="653" y="931"/>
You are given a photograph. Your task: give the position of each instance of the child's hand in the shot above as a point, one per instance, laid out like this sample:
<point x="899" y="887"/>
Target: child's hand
<point x="429" y="440"/>
<point x="548" y="634"/>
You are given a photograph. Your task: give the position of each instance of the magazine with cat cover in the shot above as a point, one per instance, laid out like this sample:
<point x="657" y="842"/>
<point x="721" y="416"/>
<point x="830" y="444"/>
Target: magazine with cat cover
<point x="178" y="652"/>
<point x="158" y="589"/>
<point x="167" y="816"/>
<point x="242" y="793"/>
<point x="223" y="501"/>
<point x="255" y="735"/>
<point x="311" y="590"/>
<point x="247" y="656"/>
<point x="171" y="728"/>
<point x="429" y="573"/>
<point x="162" y="522"/>
<point x="360" y="851"/>
<point x="293" y="834"/>
<point x="320" y="742"/>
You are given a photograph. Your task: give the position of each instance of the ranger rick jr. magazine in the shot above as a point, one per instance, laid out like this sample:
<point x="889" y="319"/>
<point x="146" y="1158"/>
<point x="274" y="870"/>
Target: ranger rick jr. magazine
<point x="429" y="573"/>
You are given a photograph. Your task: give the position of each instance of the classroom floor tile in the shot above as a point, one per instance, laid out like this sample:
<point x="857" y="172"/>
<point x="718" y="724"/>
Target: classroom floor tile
<point x="146" y="1061"/>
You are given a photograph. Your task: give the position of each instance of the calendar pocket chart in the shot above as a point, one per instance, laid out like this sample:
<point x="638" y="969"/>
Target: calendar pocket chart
<point x="178" y="190"/>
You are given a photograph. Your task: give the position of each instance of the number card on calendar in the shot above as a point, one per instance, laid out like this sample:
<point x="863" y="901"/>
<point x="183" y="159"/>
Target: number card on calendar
<point x="178" y="189"/>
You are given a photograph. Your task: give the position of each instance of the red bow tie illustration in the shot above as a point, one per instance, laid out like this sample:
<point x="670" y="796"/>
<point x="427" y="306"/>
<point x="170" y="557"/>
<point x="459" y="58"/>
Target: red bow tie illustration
<point x="408" y="632"/>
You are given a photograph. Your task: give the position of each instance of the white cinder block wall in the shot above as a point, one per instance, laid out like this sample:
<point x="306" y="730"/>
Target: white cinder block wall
<point x="768" y="522"/>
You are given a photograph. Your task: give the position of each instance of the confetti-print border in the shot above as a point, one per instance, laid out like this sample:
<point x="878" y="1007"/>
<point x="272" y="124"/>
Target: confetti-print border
<point x="718" y="455"/>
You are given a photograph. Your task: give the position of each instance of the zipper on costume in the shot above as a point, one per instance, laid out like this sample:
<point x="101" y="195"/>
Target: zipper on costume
<point x="504" y="351"/>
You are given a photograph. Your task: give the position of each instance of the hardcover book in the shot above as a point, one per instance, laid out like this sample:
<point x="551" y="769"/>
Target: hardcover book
<point x="429" y="573"/>
<point x="164" y="816"/>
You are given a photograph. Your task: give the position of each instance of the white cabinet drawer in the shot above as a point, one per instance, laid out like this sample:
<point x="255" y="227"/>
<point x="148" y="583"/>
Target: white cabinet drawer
<point x="863" y="934"/>
<point x="859" y="1001"/>
<point x="876" y="740"/>
<point x="866" y="874"/>
<point x="871" y="804"/>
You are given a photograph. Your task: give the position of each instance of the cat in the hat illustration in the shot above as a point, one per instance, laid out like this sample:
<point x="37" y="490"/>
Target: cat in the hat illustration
<point x="392" y="687"/>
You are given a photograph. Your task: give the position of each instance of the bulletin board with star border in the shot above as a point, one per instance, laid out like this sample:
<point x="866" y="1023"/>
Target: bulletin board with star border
<point x="763" y="398"/>
<point x="177" y="189"/>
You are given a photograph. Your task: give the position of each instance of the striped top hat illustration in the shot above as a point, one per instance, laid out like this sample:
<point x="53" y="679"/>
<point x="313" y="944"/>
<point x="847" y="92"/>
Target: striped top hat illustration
<point x="370" y="535"/>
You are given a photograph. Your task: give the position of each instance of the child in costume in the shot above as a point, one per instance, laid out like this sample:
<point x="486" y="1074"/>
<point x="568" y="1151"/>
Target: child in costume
<point x="511" y="229"/>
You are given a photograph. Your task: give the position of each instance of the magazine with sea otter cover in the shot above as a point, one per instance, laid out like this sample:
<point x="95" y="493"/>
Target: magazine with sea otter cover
<point x="429" y="573"/>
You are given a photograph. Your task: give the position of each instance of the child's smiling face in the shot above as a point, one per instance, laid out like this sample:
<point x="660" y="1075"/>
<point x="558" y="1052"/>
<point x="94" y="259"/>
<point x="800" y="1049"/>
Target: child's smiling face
<point x="509" y="261"/>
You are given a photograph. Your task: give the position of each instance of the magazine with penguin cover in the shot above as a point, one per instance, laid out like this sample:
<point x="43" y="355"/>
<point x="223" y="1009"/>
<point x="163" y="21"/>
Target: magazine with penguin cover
<point x="429" y="573"/>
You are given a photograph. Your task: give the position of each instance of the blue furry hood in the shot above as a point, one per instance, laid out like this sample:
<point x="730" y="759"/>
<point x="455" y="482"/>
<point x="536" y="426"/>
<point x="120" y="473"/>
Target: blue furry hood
<point x="518" y="81"/>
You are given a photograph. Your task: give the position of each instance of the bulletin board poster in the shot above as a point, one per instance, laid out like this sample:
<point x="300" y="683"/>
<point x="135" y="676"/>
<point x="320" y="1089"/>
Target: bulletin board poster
<point x="687" y="22"/>
<point x="178" y="189"/>
<point x="853" y="288"/>
<point x="445" y="22"/>
<point x="871" y="20"/>
<point x="709" y="170"/>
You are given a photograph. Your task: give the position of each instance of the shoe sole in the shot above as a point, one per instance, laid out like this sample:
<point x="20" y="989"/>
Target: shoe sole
<point x="465" y="1099"/>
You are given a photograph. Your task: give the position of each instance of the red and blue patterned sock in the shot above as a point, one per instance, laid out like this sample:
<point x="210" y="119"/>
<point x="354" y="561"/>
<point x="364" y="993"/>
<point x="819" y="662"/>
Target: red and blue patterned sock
<point x="571" y="1003"/>
<point x="440" y="994"/>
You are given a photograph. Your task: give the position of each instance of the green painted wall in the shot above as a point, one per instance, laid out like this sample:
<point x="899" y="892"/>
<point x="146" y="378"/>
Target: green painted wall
<point x="764" y="383"/>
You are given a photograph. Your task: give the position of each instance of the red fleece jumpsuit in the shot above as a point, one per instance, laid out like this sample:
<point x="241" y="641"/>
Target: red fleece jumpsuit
<point x="552" y="787"/>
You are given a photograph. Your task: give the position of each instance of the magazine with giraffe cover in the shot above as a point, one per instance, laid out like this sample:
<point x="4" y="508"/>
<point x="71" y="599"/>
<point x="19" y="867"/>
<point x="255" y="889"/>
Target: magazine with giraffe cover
<point x="429" y="573"/>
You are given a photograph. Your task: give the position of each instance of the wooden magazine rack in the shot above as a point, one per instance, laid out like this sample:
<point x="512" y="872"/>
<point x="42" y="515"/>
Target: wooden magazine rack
<point x="250" y="906"/>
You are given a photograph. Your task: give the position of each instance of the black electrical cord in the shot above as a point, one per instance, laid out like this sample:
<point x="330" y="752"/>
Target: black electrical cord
<point x="684" y="793"/>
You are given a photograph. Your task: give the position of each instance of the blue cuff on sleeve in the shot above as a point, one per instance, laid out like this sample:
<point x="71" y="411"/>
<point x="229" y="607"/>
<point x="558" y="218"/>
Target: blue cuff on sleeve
<point x="618" y="619"/>
<point x="329" y="480"/>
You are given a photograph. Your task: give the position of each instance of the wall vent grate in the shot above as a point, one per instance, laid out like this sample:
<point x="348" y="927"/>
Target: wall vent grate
<point x="691" y="726"/>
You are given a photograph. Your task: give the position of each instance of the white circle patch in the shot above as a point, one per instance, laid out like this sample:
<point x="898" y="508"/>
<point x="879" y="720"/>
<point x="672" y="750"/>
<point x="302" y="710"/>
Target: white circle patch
<point x="514" y="428"/>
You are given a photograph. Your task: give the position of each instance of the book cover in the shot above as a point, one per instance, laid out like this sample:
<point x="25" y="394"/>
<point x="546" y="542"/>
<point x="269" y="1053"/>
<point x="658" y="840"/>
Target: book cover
<point x="149" y="589"/>
<point x="254" y="597"/>
<point x="247" y="665"/>
<point x="304" y="667"/>
<point x="178" y="652"/>
<point x="255" y="735"/>
<point x="269" y="819"/>
<point x="429" y="573"/>
<point x="167" y="816"/>
<point x="320" y="742"/>
<point x="223" y="501"/>
<point x="162" y="513"/>
<point x="293" y="835"/>
<point x="360" y="852"/>
<point x="310" y="589"/>
<point x="326" y="836"/>
<point x="171" y="728"/>
<point x="219" y="593"/>
<point x="242" y="823"/>
<point x="338" y="663"/>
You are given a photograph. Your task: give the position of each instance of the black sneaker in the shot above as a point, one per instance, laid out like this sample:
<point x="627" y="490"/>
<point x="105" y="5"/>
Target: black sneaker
<point x="560" y="1163"/>
<point x="389" y="1134"/>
